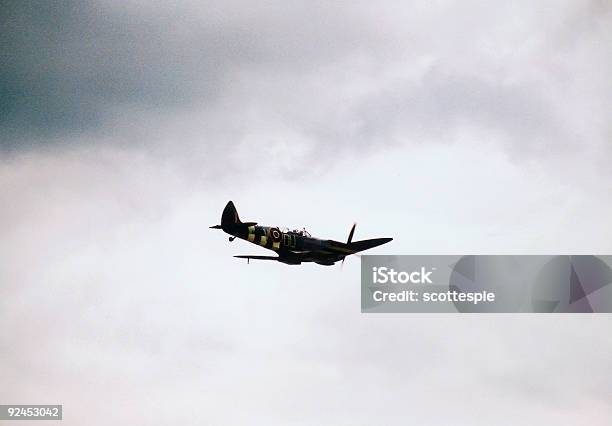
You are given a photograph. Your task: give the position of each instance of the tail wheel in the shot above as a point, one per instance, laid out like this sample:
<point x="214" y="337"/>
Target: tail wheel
<point x="275" y="235"/>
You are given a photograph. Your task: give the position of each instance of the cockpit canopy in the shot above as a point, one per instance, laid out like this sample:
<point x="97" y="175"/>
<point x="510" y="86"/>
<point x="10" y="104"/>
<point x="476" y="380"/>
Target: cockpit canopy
<point x="302" y="232"/>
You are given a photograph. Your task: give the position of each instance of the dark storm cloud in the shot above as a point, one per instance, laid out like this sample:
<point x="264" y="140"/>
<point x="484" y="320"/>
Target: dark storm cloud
<point x="67" y="66"/>
<point x="325" y="77"/>
<point x="72" y="66"/>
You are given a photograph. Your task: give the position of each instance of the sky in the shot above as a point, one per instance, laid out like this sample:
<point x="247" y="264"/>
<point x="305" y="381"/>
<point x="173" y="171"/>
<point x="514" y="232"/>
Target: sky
<point x="453" y="127"/>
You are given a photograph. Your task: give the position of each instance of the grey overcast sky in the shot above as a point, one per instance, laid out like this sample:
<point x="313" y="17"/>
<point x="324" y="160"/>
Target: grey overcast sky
<point x="455" y="127"/>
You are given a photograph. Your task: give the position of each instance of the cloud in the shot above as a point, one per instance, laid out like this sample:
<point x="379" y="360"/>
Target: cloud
<point x="112" y="285"/>
<point x="70" y="66"/>
<point x="126" y="126"/>
<point x="202" y="78"/>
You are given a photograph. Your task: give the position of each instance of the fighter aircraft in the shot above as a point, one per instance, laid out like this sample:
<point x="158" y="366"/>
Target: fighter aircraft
<point x="292" y="247"/>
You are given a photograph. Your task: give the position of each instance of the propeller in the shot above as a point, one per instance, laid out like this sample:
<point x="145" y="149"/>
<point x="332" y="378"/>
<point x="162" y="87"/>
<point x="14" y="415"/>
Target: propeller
<point x="350" y="238"/>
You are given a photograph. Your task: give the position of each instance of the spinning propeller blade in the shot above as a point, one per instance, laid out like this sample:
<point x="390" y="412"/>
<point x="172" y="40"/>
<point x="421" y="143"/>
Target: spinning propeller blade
<point x="350" y="238"/>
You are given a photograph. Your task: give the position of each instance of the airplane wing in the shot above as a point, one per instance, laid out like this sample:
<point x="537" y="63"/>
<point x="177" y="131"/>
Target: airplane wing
<point x="288" y="261"/>
<point x="258" y="257"/>
<point x="356" y="246"/>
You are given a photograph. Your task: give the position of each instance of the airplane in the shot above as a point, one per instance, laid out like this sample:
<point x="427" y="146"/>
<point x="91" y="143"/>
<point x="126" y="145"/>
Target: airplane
<point x="292" y="247"/>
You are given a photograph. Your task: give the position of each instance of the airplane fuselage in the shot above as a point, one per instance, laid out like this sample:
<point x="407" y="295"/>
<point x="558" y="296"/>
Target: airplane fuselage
<point x="292" y="247"/>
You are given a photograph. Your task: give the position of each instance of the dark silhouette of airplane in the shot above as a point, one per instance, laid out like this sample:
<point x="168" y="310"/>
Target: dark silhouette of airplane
<point x="293" y="247"/>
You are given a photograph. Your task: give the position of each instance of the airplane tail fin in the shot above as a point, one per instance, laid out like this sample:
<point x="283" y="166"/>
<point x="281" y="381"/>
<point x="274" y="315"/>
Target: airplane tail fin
<point x="230" y="217"/>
